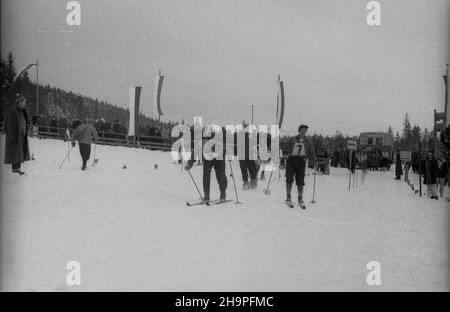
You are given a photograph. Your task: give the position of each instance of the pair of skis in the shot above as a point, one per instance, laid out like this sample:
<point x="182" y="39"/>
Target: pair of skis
<point x="291" y="205"/>
<point x="209" y="203"/>
<point x="214" y="202"/>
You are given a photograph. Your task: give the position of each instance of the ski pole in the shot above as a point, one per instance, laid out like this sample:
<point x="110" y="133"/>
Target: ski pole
<point x="354" y="176"/>
<point x="266" y="191"/>
<point x="189" y="171"/>
<point x="427" y="166"/>
<point x="314" y="186"/>
<point x="235" y="190"/>
<point x="65" y="158"/>
<point x="95" y="160"/>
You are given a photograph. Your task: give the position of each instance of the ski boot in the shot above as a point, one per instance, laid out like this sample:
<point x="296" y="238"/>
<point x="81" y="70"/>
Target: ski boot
<point x="206" y="197"/>
<point x="253" y="183"/>
<point x="223" y="196"/>
<point x="289" y="203"/>
<point x="246" y="186"/>
<point x="301" y="203"/>
<point x="20" y="172"/>
<point x="288" y="195"/>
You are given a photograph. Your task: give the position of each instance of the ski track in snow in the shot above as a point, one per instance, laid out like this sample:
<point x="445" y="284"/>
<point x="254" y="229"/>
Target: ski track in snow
<point x="130" y="229"/>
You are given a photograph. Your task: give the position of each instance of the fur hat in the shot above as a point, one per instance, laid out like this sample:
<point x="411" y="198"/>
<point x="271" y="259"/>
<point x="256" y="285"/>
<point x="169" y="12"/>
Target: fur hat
<point x="19" y="98"/>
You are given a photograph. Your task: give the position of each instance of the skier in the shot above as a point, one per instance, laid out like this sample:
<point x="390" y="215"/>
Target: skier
<point x="212" y="160"/>
<point x="302" y="150"/>
<point x="16" y="130"/>
<point x="248" y="166"/>
<point x="85" y="134"/>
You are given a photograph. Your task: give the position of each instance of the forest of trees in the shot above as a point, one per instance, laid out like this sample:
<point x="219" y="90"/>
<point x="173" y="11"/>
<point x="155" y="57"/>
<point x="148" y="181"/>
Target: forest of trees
<point x="411" y="136"/>
<point x="55" y="102"/>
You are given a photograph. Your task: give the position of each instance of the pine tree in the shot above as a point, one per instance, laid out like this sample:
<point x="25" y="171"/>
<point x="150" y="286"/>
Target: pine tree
<point x="415" y="136"/>
<point x="407" y="132"/>
<point x="10" y="69"/>
<point x="390" y="132"/>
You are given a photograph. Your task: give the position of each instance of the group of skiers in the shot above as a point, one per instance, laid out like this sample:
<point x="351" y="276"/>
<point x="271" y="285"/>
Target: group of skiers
<point x="298" y="151"/>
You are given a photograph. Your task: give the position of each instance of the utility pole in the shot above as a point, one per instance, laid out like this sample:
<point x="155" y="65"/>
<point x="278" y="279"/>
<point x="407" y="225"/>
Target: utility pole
<point x="37" y="87"/>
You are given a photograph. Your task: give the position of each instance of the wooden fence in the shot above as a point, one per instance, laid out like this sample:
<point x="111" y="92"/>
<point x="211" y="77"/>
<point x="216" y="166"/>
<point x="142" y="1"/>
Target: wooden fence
<point x="106" y="138"/>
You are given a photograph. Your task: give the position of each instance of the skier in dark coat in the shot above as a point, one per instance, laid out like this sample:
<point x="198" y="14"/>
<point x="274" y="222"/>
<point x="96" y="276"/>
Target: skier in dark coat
<point x="16" y="130"/>
<point x="211" y="161"/>
<point x="302" y="150"/>
<point x="398" y="166"/>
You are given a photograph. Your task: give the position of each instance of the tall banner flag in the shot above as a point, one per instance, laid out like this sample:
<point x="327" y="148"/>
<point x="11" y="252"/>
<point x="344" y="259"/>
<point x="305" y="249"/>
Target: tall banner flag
<point x="280" y="103"/>
<point x="447" y="111"/>
<point x="157" y="94"/>
<point x="134" y="95"/>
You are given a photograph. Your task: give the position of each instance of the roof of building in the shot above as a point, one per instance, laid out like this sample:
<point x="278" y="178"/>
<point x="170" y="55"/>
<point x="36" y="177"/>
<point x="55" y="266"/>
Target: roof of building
<point x="375" y="133"/>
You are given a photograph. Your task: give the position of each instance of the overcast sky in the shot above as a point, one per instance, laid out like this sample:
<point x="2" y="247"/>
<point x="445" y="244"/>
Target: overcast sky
<point x="219" y="57"/>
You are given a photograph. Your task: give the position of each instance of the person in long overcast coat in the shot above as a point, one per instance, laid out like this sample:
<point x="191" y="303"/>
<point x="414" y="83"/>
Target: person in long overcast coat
<point x="16" y="129"/>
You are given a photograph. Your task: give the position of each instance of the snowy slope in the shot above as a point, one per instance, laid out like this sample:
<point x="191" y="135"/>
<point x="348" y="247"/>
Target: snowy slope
<point x="130" y="229"/>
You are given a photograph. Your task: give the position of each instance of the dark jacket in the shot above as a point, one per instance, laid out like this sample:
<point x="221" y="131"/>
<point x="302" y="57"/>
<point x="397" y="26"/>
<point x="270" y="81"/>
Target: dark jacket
<point x="398" y="165"/>
<point x="16" y="145"/>
<point x="351" y="154"/>
<point x="431" y="170"/>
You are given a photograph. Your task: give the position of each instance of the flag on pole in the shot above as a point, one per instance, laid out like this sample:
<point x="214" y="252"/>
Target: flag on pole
<point x="157" y="94"/>
<point x="447" y="110"/>
<point x="280" y="103"/>
<point x="134" y="95"/>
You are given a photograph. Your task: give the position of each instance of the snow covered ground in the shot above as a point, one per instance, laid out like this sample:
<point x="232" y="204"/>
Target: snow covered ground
<point x="131" y="230"/>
